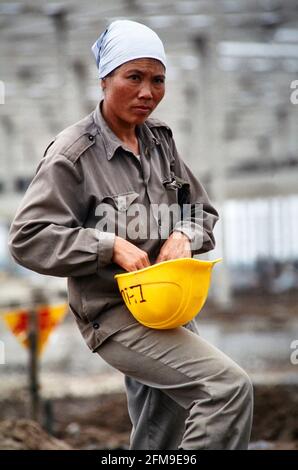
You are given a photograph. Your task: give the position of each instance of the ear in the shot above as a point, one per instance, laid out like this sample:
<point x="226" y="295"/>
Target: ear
<point x="103" y="84"/>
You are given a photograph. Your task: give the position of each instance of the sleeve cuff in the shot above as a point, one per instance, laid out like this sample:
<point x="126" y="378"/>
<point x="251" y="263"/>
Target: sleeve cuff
<point x="193" y="232"/>
<point x="186" y="228"/>
<point x="105" y="248"/>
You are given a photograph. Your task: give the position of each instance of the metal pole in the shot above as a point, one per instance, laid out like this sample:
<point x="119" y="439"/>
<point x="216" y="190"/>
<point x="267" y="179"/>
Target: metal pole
<point x="33" y="364"/>
<point x="38" y="298"/>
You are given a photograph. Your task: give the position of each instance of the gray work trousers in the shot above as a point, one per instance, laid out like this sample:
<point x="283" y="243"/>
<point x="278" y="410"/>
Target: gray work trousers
<point x="182" y="392"/>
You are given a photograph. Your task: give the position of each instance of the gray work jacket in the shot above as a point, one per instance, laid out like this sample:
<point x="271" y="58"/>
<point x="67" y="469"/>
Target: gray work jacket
<point x="56" y="230"/>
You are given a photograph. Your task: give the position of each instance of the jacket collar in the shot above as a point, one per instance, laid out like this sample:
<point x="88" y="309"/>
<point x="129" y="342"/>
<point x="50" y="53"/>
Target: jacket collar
<point x="112" y="142"/>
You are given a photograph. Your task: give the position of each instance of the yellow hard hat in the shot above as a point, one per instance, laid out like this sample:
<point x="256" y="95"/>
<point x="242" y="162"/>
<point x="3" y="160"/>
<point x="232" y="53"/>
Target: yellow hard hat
<point x="167" y="294"/>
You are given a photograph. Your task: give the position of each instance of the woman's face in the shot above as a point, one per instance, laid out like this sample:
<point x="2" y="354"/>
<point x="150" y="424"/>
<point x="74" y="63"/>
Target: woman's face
<point x="133" y="90"/>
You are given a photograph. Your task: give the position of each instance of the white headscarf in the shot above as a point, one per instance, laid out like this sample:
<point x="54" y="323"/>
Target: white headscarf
<point x="125" y="40"/>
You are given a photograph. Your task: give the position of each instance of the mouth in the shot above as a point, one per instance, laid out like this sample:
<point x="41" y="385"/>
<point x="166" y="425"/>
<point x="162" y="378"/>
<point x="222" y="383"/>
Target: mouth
<point x="142" y="109"/>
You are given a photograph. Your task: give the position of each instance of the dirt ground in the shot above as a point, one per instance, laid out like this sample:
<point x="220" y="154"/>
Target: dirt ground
<point x="102" y="422"/>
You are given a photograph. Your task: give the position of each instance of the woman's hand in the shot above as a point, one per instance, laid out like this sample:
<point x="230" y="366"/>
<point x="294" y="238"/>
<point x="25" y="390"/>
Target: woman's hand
<point x="176" y="246"/>
<point x="128" y="256"/>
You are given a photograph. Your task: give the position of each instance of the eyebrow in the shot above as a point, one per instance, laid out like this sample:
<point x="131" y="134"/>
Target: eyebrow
<point x="142" y="73"/>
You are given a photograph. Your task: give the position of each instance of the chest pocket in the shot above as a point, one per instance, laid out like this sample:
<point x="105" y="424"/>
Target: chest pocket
<point x="116" y="217"/>
<point x="121" y="202"/>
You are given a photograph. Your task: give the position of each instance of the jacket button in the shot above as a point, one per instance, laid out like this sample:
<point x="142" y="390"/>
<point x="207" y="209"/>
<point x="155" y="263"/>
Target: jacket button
<point x="91" y="137"/>
<point x="96" y="326"/>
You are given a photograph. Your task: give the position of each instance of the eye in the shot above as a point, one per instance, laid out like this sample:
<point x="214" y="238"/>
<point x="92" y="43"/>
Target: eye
<point x="134" y="77"/>
<point x="159" y="80"/>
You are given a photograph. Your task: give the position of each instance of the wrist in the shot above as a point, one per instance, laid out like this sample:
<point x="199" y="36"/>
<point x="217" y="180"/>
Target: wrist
<point x="180" y="235"/>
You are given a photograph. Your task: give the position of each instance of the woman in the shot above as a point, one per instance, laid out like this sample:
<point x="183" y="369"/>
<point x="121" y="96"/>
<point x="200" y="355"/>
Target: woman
<point x="76" y="220"/>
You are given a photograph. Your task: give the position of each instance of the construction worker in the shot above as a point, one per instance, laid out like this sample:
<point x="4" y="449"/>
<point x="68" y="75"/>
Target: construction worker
<point x="76" y="221"/>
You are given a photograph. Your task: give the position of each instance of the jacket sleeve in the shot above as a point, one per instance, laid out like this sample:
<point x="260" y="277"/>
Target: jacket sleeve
<point x="47" y="234"/>
<point x="199" y="216"/>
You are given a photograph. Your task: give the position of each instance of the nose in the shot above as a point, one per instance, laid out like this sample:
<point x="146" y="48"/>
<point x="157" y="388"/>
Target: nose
<point x="145" y="91"/>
